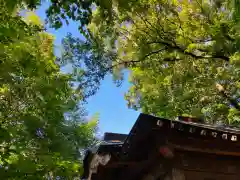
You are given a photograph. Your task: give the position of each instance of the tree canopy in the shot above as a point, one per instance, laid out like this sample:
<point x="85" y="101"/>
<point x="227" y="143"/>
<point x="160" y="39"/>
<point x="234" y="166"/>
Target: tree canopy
<point x="183" y="56"/>
<point x="42" y="122"/>
<point x="178" y="51"/>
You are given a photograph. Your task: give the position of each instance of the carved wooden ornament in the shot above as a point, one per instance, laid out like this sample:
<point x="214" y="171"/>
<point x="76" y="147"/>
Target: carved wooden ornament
<point x="159" y="123"/>
<point x="225" y="136"/>
<point x="192" y="130"/>
<point x="234" y="138"/>
<point x="214" y="134"/>
<point x="203" y="132"/>
<point x="172" y="125"/>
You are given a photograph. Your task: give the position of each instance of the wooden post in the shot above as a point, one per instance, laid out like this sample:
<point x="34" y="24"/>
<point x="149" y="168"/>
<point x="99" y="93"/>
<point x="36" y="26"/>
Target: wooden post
<point x="148" y="177"/>
<point x="174" y="174"/>
<point x="177" y="174"/>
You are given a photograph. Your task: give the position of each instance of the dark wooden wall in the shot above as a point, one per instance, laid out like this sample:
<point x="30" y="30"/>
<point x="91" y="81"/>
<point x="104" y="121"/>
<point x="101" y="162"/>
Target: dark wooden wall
<point x="197" y="166"/>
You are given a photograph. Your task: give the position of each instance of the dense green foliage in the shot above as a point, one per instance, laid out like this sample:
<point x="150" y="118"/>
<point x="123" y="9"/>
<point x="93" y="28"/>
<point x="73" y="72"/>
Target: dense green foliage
<point x="177" y="50"/>
<point x="42" y="124"/>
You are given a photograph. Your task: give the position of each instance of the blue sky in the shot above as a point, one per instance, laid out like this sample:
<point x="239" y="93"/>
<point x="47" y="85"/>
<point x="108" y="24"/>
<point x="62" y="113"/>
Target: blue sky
<point x="109" y="101"/>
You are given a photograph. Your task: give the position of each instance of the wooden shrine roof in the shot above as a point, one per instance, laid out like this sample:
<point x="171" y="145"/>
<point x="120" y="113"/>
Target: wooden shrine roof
<point x="114" y="137"/>
<point x="141" y="146"/>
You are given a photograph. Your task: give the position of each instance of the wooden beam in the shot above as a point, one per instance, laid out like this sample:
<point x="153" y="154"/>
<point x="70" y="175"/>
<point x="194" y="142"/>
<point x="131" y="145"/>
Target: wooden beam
<point x="125" y="164"/>
<point x="205" y="150"/>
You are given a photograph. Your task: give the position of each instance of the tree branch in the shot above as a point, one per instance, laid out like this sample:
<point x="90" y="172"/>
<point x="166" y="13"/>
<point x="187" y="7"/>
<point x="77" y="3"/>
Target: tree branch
<point x="183" y="51"/>
<point x="125" y="63"/>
